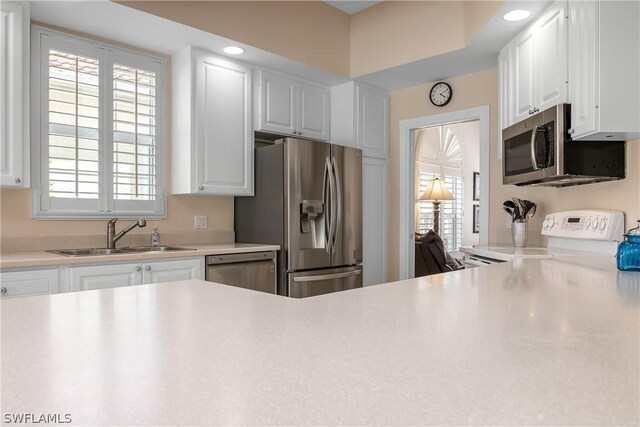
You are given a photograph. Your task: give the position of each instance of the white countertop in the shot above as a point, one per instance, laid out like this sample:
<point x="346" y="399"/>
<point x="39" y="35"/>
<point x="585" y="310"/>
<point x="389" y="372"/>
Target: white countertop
<point x="530" y="342"/>
<point x="45" y="259"/>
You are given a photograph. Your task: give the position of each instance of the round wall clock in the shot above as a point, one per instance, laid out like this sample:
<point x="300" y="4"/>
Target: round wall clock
<point x="440" y="94"/>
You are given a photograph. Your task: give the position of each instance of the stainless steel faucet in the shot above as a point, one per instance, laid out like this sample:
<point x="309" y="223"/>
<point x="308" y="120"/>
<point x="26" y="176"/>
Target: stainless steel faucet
<point x="112" y="237"/>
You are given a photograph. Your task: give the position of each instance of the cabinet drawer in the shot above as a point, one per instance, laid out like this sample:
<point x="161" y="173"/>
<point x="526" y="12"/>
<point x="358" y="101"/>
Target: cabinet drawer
<point x="28" y="283"/>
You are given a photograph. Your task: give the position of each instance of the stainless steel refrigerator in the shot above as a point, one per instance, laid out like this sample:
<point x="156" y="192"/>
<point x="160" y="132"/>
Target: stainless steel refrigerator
<point x="308" y="200"/>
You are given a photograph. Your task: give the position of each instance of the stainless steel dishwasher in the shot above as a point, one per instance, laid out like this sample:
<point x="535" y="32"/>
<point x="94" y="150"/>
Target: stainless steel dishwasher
<point x="256" y="271"/>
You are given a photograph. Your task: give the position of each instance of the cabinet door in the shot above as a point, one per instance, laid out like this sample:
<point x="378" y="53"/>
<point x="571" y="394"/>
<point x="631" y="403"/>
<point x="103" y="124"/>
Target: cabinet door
<point x="504" y="96"/>
<point x="374" y="221"/>
<point x="313" y="111"/>
<point x="551" y="57"/>
<point x="523" y="82"/>
<point x="583" y="66"/>
<point x="14" y="94"/>
<point x="105" y="276"/>
<point x="172" y="271"/>
<point x="224" y="135"/>
<point x="28" y="283"/>
<point x="277" y="105"/>
<point x="373" y="122"/>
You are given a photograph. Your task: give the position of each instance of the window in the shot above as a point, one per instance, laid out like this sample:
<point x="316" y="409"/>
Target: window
<point x="451" y="211"/>
<point x="99" y="142"/>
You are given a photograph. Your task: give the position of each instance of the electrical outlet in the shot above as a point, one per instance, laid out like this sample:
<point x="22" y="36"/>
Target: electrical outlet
<point x="200" y="221"/>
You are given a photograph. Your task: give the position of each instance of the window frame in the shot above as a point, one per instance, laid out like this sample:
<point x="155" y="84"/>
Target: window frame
<point x="106" y="206"/>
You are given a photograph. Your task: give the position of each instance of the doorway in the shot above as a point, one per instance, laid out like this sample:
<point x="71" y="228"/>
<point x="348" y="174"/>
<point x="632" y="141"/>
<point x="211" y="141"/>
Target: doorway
<point x="409" y="131"/>
<point x="450" y="153"/>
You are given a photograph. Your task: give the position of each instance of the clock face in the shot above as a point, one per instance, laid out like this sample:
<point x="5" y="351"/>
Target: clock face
<point x="440" y="94"/>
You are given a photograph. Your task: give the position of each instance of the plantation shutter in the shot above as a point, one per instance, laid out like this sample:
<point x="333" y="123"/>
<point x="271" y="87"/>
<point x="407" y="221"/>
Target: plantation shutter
<point x="100" y="133"/>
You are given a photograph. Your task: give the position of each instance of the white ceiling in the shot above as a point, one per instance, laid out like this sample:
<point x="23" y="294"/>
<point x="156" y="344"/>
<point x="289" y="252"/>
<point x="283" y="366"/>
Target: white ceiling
<point x="351" y="7"/>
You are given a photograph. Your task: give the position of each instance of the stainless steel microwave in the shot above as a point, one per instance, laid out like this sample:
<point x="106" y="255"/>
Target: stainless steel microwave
<point x="539" y="151"/>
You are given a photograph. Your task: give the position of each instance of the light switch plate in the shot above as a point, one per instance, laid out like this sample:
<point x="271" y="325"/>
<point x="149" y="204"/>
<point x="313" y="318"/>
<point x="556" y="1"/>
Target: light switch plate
<point x="200" y="221"/>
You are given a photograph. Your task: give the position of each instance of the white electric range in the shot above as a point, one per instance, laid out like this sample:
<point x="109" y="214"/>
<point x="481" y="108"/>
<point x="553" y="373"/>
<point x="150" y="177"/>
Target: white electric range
<point x="574" y="234"/>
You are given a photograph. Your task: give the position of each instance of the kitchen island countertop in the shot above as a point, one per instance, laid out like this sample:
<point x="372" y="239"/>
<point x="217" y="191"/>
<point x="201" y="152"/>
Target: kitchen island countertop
<point x="530" y="342"/>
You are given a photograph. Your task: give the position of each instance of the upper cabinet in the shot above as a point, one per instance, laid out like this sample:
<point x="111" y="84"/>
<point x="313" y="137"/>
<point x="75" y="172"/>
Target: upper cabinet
<point x="534" y="67"/>
<point x="604" y="65"/>
<point x="577" y="52"/>
<point x="360" y="118"/>
<point x="14" y="94"/>
<point x="212" y="139"/>
<point x="289" y="106"/>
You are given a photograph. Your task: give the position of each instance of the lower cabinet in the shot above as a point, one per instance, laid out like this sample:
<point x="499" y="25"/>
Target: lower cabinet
<point x="28" y="283"/>
<point x="137" y="273"/>
<point x="105" y="276"/>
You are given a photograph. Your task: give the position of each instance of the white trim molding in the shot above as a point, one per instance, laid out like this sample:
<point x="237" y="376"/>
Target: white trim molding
<point x="407" y="181"/>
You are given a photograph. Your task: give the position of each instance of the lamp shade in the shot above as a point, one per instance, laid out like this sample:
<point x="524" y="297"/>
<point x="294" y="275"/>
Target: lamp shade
<point x="436" y="191"/>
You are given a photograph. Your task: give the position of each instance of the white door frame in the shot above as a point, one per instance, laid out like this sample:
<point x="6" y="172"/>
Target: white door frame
<point x="407" y="178"/>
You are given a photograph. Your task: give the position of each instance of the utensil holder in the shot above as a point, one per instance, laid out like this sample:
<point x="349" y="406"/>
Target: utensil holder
<point x="519" y="233"/>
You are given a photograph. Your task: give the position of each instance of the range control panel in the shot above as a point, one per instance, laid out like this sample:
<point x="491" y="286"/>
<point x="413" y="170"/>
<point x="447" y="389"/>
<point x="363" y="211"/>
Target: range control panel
<point x="585" y="224"/>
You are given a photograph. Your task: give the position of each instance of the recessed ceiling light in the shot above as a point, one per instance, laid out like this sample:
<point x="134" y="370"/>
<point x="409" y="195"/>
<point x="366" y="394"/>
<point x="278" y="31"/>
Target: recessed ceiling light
<point x="516" y="15"/>
<point x="233" y="50"/>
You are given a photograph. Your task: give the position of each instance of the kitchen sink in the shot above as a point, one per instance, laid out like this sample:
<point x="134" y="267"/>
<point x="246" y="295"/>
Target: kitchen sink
<point x="106" y="251"/>
<point x="156" y="249"/>
<point x="88" y="252"/>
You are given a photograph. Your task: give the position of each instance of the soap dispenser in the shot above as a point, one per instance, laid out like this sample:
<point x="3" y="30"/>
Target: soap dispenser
<point x="155" y="236"/>
<point x="628" y="257"/>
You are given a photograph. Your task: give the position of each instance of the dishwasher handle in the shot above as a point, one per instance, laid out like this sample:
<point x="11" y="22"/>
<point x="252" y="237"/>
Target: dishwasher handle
<point x="236" y="258"/>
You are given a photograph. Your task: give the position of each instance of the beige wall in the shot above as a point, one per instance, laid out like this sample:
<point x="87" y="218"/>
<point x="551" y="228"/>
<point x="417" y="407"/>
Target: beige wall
<point x="311" y="32"/>
<point x="474" y="90"/>
<point x="15" y="214"/>
<point x="399" y="32"/>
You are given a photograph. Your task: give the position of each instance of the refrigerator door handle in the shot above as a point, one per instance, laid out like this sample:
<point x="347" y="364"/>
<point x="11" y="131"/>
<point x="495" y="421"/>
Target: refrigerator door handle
<point x="328" y="204"/>
<point x="338" y="202"/>
<point x="327" y="276"/>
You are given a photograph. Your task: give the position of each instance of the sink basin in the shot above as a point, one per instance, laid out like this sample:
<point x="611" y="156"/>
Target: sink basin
<point x="105" y="251"/>
<point x="156" y="249"/>
<point x="88" y="252"/>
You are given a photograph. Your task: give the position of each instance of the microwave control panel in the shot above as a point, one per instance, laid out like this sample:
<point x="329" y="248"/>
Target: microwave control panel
<point x="585" y="224"/>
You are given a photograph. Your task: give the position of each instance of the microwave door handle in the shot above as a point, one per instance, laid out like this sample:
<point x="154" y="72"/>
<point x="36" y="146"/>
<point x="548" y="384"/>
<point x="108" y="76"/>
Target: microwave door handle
<point x="534" y="162"/>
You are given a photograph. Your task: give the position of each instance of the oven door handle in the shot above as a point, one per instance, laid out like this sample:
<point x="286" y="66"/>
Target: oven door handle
<point x="534" y="162"/>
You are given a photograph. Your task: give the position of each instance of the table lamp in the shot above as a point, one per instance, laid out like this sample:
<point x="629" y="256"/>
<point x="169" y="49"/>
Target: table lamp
<point x="436" y="192"/>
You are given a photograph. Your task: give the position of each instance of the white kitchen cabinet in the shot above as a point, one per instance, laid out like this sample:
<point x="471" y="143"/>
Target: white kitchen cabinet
<point x="551" y="57"/>
<point x="212" y="143"/>
<point x="523" y="79"/>
<point x="14" y="94"/>
<point x="289" y="106"/>
<point x="174" y="270"/>
<point x="360" y="118"/>
<point x="106" y="276"/>
<point x="374" y="221"/>
<point x="536" y="67"/>
<point x="604" y="65"/>
<point x="504" y="95"/>
<point x="28" y="283"/>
